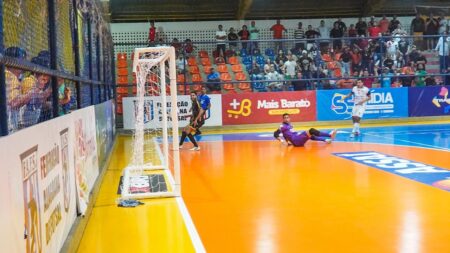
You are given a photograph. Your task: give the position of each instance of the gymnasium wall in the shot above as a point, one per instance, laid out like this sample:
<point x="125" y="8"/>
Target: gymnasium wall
<point x="47" y="173"/>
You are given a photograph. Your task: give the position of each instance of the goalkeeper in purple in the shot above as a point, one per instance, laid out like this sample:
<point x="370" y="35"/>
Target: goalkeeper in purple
<point x="298" y="139"/>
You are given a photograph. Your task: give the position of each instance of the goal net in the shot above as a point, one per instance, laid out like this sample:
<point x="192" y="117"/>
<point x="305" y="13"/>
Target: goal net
<point x="155" y="139"/>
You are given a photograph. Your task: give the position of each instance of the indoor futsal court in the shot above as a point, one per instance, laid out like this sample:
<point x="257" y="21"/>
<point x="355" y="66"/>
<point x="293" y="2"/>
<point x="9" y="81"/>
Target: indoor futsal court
<point x="245" y="192"/>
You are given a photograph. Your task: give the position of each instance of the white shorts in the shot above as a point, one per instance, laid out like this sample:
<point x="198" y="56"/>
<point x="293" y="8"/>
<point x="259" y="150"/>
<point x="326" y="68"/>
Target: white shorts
<point x="358" y="110"/>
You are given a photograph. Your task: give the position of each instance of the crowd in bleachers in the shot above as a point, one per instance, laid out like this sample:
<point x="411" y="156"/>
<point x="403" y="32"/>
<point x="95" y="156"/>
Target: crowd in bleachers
<point x="380" y="52"/>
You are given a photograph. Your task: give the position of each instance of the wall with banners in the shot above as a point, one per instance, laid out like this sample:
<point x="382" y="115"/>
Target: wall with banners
<point x="384" y="103"/>
<point x="153" y="112"/>
<point x="47" y="173"/>
<point x="38" y="187"/>
<point x="267" y="107"/>
<point x="429" y="101"/>
<point x="105" y="129"/>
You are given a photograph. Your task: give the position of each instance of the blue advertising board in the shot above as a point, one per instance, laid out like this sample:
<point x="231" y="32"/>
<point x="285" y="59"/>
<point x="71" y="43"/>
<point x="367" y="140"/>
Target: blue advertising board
<point x="384" y="103"/>
<point x="429" y="101"/>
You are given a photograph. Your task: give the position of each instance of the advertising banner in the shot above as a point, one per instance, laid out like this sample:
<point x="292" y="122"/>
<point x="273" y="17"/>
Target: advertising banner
<point x="85" y="154"/>
<point x="429" y="101"/>
<point x="153" y="111"/>
<point x="384" y="103"/>
<point x="105" y="124"/>
<point x="38" y="187"/>
<point x="268" y="107"/>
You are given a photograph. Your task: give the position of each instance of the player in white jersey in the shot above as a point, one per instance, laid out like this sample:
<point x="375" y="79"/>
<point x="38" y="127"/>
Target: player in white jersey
<point x="361" y="94"/>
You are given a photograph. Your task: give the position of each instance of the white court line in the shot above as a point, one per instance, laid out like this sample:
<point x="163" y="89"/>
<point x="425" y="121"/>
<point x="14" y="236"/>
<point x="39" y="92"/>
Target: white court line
<point x="192" y="231"/>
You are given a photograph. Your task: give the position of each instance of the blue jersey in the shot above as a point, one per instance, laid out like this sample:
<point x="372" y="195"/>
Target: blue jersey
<point x="205" y="101"/>
<point x="297" y="139"/>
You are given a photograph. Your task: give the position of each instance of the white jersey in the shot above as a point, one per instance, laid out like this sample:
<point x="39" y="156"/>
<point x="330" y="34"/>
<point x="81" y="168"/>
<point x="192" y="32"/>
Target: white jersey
<point x="360" y="94"/>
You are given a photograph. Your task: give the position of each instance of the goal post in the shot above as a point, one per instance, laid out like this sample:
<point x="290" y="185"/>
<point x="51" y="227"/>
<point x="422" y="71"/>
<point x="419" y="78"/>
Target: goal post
<point x="155" y="154"/>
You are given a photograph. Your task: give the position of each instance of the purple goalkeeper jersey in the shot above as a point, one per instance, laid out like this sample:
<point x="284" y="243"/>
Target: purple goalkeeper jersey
<point x="297" y="139"/>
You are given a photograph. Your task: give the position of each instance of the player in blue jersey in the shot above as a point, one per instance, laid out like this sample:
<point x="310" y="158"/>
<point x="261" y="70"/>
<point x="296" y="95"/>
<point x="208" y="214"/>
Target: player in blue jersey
<point x="298" y="139"/>
<point x="205" y="104"/>
<point x="189" y="129"/>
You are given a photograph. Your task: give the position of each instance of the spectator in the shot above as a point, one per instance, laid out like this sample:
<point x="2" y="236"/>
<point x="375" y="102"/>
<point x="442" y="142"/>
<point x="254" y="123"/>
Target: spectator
<point x="324" y="35"/>
<point x="386" y="78"/>
<point x="384" y="25"/>
<point x="407" y="71"/>
<point x="361" y="27"/>
<point x="181" y="63"/>
<point x="254" y="36"/>
<point x="374" y="31"/>
<point x="341" y="25"/>
<point x="177" y="45"/>
<point x="403" y="48"/>
<point x="442" y="48"/>
<point x="346" y="82"/>
<point x="188" y="47"/>
<point x="274" y="79"/>
<point x="64" y="97"/>
<point x="290" y="68"/>
<point x="345" y="61"/>
<point x="310" y="35"/>
<point x="336" y="33"/>
<point x="278" y="29"/>
<point x="256" y="73"/>
<point x="305" y="61"/>
<point x="352" y="33"/>
<point x="367" y="80"/>
<point x="372" y="22"/>
<point x="268" y="66"/>
<point x="431" y="28"/>
<point x="299" y="84"/>
<point x="152" y="33"/>
<point x="213" y="80"/>
<point x="280" y="57"/>
<point x="417" y="29"/>
<point x="356" y="59"/>
<point x="394" y="24"/>
<point x="232" y="37"/>
<point x="299" y="36"/>
<point x="244" y="35"/>
<point x="221" y="37"/>
<point x="420" y="75"/>
<point x="443" y="24"/>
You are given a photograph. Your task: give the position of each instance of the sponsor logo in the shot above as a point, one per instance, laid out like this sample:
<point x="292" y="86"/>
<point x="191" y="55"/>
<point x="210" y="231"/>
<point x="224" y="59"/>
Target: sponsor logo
<point x="417" y="171"/>
<point x="149" y="111"/>
<point x="274" y="107"/>
<point x="380" y="102"/>
<point x="64" y="135"/>
<point x="442" y="100"/>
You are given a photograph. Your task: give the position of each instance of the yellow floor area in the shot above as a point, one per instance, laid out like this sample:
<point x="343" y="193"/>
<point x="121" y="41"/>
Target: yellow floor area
<point x="157" y="226"/>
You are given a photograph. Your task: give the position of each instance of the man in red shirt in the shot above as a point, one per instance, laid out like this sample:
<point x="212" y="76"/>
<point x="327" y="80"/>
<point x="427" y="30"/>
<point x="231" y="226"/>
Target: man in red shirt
<point x="384" y="24"/>
<point x="374" y="31"/>
<point x="151" y="33"/>
<point x="278" y="29"/>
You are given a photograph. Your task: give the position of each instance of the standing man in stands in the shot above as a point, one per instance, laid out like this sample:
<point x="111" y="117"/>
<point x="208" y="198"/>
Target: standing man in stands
<point x="152" y="33"/>
<point x="254" y="35"/>
<point x="278" y="29"/>
<point x="221" y="37"/>
<point x="417" y="29"/>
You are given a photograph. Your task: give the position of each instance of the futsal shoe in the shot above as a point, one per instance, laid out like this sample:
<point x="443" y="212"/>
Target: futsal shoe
<point x="328" y="141"/>
<point x="333" y="134"/>
<point x="352" y="135"/>
<point x="195" y="149"/>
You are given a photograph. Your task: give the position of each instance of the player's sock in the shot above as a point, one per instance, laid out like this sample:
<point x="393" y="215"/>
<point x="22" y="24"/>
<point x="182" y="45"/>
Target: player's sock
<point x="354" y="128"/>
<point x="357" y="128"/>
<point x="192" y="139"/>
<point x="183" y="137"/>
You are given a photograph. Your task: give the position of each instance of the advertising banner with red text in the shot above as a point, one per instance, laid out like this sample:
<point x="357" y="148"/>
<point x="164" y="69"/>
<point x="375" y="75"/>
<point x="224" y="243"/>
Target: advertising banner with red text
<point x="268" y="107"/>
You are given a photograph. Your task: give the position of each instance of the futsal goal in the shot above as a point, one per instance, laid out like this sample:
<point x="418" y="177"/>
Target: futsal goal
<point x="154" y="168"/>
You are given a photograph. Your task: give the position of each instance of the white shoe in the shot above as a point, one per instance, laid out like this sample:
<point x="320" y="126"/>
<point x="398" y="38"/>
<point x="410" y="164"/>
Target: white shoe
<point x="328" y="141"/>
<point x="352" y="135"/>
<point x="195" y="149"/>
<point x="180" y="147"/>
<point x="333" y="134"/>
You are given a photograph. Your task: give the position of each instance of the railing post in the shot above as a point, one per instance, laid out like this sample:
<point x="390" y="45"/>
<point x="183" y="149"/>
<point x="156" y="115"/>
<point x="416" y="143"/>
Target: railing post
<point x="3" y="102"/>
<point x="91" y="85"/>
<point x="76" y="50"/>
<point x="53" y="55"/>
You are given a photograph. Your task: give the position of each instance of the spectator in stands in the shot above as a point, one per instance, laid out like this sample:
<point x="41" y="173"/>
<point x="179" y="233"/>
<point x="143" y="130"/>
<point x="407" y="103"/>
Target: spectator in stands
<point x="399" y="32"/>
<point x="420" y="75"/>
<point x="361" y="27"/>
<point x="367" y="60"/>
<point x="290" y="68"/>
<point x="177" y="45"/>
<point x="311" y="34"/>
<point x="403" y="48"/>
<point x="280" y="57"/>
<point x="256" y="73"/>
<point x="188" y="47"/>
<point x="386" y="78"/>
<point x="442" y="48"/>
<point x="336" y="33"/>
<point x="384" y="25"/>
<point x="419" y="58"/>
<point x="278" y="29"/>
<point x="221" y="37"/>
<point x="324" y="32"/>
<point x="352" y="33"/>
<point x="443" y="24"/>
<point x="274" y="79"/>
<point x="417" y="29"/>
<point x="431" y="28"/>
<point x="356" y="59"/>
<point x="267" y="66"/>
<point x="181" y="63"/>
<point x="289" y="53"/>
<point x="345" y="60"/>
<point x="299" y="84"/>
<point x="393" y="24"/>
<point x="299" y="36"/>
<point x="64" y="97"/>
<point x="254" y="36"/>
<point x="346" y="82"/>
<point x="374" y="31"/>
<point x="213" y="80"/>
<point x="232" y="38"/>
<point x="341" y="25"/>
<point x="244" y="35"/>
<point x="407" y="70"/>
<point x="367" y="80"/>
<point x="304" y="62"/>
<point x="152" y="33"/>
<point x="372" y="22"/>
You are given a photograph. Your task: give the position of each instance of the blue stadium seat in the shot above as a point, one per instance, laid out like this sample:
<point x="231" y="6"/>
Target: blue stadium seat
<point x="247" y="60"/>
<point x="270" y="52"/>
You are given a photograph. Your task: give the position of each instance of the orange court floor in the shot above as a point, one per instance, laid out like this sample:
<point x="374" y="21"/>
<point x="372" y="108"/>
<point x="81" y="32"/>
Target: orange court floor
<point x="247" y="193"/>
